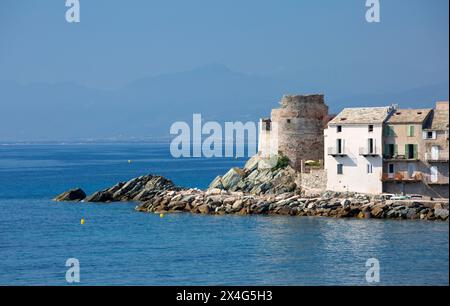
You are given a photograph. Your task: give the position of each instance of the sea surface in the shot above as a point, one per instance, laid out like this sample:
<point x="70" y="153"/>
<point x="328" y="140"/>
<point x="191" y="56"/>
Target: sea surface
<point x="119" y="246"/>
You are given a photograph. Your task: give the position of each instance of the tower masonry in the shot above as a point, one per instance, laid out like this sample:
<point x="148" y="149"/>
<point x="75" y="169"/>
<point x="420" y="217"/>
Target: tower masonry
<point x="295" y="130"/>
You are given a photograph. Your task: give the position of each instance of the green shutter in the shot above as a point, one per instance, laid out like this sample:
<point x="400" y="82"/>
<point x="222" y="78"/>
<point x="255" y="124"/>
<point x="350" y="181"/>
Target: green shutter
<point x="416" y="151"/>
<point x="395" y="149"/>
<point x="406" y="151"/>
<point x="411" y="131"/>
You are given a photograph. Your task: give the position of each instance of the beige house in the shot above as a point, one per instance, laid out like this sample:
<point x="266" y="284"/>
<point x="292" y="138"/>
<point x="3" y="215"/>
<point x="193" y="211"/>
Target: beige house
<point x="353" y="150"/>
<point x="412" y="138"/>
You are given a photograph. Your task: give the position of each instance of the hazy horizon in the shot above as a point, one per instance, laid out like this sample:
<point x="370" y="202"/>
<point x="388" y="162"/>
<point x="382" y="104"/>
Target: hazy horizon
<point x="129" y="69"/>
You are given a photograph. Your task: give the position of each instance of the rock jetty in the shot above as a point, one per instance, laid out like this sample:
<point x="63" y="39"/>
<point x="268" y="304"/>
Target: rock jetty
<point x="252" y="191"/>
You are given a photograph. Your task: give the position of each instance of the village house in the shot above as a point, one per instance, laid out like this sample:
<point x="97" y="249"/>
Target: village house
<point x="353" y="150"/>
<point x="416" y="152"/>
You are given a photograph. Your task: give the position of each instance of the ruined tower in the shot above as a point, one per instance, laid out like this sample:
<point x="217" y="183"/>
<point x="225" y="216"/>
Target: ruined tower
<point x="295" y="130"/>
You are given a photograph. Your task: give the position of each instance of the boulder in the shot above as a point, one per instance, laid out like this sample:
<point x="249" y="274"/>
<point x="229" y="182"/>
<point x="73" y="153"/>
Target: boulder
<point x="252" y="164"/>
<point x="100" y="196"/>
<point x="204" y="209"/>
<point x="73" y="195"/>
<point x="232" y="178"/>
<point x="216" y="183"/>
<point x="441" y="213"/>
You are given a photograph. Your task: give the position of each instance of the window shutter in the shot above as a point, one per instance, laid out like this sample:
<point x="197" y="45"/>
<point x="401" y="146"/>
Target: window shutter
<point x="416" y="151"/>
<point x="434" y="134"/>
<point x="406" y="150"/>
<point x="424" y="135"/>
<point x="395" y="150"/>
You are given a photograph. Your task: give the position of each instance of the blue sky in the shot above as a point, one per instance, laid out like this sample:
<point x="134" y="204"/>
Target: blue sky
<point x="120" y="41"/>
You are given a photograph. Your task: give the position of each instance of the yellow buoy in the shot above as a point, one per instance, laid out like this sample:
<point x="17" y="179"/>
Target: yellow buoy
<point x="129" y="161"/>
<point x="82" y="221"/>
<point x="161" y="215"/>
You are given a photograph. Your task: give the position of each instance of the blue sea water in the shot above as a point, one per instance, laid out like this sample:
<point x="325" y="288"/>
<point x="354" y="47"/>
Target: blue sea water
<point x="119" y="246"/>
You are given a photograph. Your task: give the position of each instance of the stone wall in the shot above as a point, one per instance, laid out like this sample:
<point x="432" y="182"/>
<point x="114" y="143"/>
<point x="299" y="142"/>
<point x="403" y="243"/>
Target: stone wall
<point x="300" y="122"/>
<point x="315" y="181"/>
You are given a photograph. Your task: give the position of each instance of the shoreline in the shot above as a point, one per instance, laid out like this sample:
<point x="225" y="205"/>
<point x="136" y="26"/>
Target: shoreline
<point x="156" y="194"/>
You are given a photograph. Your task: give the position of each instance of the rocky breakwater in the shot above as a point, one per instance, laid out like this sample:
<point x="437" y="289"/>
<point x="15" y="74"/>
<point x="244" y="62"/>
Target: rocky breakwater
<point x="256" y="191"/>
<point x="337" y="205"/>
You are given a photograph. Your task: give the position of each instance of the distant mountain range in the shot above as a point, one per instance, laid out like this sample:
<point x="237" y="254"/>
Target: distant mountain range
<point x="145" y="108"/>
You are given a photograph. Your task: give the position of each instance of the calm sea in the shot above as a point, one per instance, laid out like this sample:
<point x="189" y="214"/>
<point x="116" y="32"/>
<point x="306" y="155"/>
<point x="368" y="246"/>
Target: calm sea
<point x="118" y="246"/>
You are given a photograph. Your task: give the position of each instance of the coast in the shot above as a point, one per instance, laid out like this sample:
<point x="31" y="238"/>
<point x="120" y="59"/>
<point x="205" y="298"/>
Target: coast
<point x="251" y="191"/>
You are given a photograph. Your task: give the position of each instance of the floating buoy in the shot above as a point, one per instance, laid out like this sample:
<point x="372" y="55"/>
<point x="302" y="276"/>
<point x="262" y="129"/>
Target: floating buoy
<point x="161" y="215"/>
<point x="82" y="221"/>
<point x="129" y="161"/>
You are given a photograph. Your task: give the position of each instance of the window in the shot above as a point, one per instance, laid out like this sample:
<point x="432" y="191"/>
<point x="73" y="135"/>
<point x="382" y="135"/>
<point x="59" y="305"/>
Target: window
<point x="411" y="151"/>
<point x="339" y="128"/>
<point x="391" y="168"/>
<point x="340" y="169"/>
<point x="339" y="146"/>
<point x="390" y="150"/>
<point x="370" y="128"/>
<point x="371" y="146"/>
<point x="288" y="120"/>
<point x="410" y="130"/>
<point x="369" y="168"/>
<point x="429" y="135"/>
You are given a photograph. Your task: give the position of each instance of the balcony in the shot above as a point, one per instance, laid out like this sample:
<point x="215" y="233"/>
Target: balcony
<point x="375" y="151"/>
<point x="402" y="177"/>
<point x="436" y="179"/>
<point x="437" y="157"/>
<point x="333" y="151"/>
<point x="399" y="158"/>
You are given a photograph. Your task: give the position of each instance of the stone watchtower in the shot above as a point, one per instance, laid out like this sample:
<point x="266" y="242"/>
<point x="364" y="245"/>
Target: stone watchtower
<point x="295" y="130"/>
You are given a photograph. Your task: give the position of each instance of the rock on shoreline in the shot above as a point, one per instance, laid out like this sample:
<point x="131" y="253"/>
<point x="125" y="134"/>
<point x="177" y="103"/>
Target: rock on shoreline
<point x="157" y="194"/>
<point x="139" y="189"/>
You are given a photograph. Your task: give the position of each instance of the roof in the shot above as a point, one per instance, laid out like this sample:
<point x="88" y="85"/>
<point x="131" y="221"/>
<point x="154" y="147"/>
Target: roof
<point x="409" y="116"/>
<point x="439" y="121"/>
<point x="361" y="115"/>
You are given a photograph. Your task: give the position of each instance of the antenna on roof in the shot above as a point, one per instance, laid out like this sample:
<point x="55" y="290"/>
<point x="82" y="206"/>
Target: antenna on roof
<point x="393" y="107"/>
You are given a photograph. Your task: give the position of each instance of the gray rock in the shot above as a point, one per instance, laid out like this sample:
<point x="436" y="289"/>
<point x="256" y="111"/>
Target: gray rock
<point x="232" y="178"/>
<point x="441" y="213"/>
<point x="73" y="195"/>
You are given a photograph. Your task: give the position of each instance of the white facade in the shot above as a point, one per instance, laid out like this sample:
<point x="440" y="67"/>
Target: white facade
<point x="268" y="139"/>
<point x="353" y="157"/>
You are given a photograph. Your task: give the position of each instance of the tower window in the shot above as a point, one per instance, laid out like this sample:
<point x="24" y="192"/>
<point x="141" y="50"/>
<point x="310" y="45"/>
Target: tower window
<point x="371" y="128"/>
<point x="339" y="128"/>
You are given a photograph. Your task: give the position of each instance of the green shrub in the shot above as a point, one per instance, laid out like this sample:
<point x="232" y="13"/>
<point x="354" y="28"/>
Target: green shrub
<point x="283" y="162"/>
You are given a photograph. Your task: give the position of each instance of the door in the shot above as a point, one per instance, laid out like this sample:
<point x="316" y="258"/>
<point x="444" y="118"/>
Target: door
<point x="434" y="152"/>
<point x="391" y="171"/>
<point x="434" y="174"/>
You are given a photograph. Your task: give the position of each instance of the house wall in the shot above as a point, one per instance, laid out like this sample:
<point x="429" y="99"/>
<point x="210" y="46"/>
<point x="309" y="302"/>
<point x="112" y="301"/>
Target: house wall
<point x="401" y="138"/>
<point x="355" y="177"/>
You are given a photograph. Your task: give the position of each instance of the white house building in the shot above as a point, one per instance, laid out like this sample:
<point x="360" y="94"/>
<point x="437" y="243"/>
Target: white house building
<point x="353" y="150"/>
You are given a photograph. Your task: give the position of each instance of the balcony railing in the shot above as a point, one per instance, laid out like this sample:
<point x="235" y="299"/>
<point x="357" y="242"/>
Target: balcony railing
<point x="440" y="156"/>
<point x="333" y="151"/>
<point x="399" y="157"/>
<point x="402" y="176"/>
<point x="370" y="151"/>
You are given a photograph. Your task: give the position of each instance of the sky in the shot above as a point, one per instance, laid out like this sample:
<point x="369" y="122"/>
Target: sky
<point x="114" y="69"/>
<point x="119" y="41"/>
